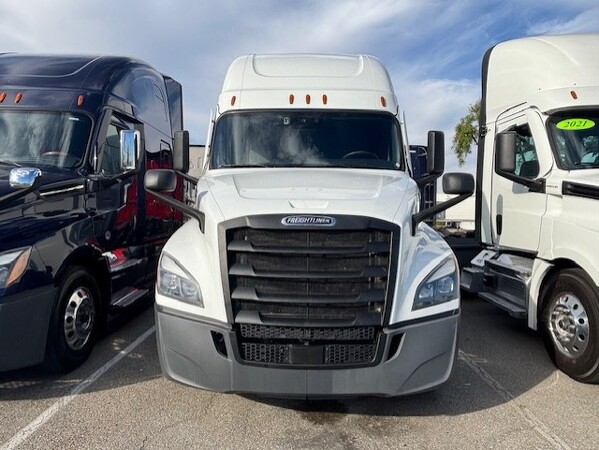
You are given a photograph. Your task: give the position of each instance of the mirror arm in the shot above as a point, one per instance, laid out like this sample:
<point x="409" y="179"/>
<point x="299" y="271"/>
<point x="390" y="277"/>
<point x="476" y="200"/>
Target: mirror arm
<point x="434" y="210"/>
<point x="21" y="193"/>
<point x="188" y="210"/>
<point x="537" y="185"/>
<point x="427" y="179"/>
<point x="187" y="177"/>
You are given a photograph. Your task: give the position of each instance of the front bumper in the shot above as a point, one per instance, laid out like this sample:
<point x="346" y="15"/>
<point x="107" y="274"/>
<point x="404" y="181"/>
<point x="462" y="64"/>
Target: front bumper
<point x="423" y="360"/>
<point x="24" y="321"/>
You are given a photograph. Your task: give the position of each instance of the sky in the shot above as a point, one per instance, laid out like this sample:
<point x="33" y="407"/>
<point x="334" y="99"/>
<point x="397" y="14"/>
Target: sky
<point x="431" y="48"/>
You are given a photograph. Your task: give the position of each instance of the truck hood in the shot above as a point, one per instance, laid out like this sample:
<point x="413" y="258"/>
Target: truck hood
<point x="50" y="176"/>
<point x="28" y="219"/>
<point x="364" y="192"/>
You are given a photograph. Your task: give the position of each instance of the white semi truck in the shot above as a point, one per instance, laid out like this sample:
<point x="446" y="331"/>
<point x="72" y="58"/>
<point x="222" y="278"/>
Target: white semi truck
<point x="306" y="269"/>
<point x="537" y="199"/>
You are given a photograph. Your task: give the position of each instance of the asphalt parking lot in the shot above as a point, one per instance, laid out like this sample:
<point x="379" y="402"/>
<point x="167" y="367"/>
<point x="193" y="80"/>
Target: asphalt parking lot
<point x="504" y="393"/>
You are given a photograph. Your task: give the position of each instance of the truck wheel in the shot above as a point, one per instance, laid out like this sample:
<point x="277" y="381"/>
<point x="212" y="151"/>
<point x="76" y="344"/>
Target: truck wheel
<point x="74" y="325"/>
<point x="570" y="324"/>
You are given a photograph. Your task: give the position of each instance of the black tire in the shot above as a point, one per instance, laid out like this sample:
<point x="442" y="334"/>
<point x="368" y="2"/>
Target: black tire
<point x="75" y="321"/>
<point x="570" y="324"/>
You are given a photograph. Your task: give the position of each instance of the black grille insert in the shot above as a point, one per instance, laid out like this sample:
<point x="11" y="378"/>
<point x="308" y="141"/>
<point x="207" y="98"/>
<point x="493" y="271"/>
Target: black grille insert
<point x="308" y="297"/>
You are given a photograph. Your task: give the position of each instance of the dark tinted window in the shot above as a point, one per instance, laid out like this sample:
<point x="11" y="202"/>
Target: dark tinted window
<point x="307" y="139"/>
<point x="576" y="138"/>
<point x="51" y="138"/>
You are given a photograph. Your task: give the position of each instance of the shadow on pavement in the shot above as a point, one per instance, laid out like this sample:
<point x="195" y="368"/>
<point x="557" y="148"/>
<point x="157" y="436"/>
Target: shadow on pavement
<point x="499" y="359"/>
<point x="33" y="383"/>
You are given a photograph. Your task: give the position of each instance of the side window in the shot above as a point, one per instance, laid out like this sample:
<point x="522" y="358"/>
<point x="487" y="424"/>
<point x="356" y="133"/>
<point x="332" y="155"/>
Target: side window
<point x="527" y="164"/>
<point x="110" y="148"/>
<point x="110" y="158"/>
<point x="151" y="106"/>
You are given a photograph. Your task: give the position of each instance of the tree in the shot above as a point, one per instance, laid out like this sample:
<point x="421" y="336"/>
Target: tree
<point x="466" y="133"/>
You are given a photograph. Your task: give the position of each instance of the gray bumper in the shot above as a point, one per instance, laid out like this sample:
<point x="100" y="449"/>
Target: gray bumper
<point x="24" y="321"/>
<point x="189" y="355"/>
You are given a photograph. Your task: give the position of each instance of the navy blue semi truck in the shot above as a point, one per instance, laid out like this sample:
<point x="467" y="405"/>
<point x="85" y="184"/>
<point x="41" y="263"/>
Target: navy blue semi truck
<point x="79" y="236"/>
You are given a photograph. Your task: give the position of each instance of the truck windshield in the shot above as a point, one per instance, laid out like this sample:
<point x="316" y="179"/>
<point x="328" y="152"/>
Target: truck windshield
<point x="307" y="139"/>
<point x="575" y="136"/>
<point x="43" y="138"/>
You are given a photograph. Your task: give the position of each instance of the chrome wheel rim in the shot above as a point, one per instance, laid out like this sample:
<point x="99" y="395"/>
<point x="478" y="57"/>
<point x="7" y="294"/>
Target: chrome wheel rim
<point x="569" y="325"/>
<point x="79" y="318"/>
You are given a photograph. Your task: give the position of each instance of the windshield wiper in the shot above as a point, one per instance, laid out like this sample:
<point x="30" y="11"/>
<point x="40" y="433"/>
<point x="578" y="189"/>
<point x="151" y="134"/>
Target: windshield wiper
<point x="241" y="166"/>
<point x="9" y="163"/>
<point x="585" y="165"/>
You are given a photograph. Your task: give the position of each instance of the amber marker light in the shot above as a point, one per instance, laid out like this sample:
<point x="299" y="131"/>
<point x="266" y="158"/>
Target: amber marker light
<point x="233" y="100"/>
<point x="383" y="102"/>
<point x="574" y="95"/>
<point x="307" y="99"/>
<point x="80" y="100"/>
<point x="19" y="267"/>
<point x="18" y="97"/>
<point x="2" y="96"/>
<point x="291" y="99"/>
<point x="324" y="99"/>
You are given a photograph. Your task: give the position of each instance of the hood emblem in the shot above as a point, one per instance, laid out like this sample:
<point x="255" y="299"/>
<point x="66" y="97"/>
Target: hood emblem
<point x="307" y="221"/>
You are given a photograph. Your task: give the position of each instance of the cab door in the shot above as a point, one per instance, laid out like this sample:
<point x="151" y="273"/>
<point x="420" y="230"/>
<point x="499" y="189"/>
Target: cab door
<point x="117" y="224"/>
<point x="516" y="210"/>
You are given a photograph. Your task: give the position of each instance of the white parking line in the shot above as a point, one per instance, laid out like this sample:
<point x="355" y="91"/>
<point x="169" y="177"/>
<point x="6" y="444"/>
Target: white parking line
<point x="27" y="431"/>
<point x="527" y="415"/>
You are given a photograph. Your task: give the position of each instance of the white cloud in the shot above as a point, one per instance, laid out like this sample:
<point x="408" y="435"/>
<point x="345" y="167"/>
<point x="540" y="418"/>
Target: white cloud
<point x="432" y="48"/>
<point x="437" y="104"/>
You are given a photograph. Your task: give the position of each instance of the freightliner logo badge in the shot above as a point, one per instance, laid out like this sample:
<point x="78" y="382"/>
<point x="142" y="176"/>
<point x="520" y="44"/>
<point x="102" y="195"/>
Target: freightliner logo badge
<point x="298" y="221"/>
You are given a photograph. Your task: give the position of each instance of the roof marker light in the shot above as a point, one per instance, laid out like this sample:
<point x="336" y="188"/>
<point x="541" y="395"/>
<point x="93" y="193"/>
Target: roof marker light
<point x="233" y="99"/>
<point x="18" y="97"/>
<point x="383" y="101"/>
<point x="324" y="99"/>
<point x="291" y="99"/>
<point x="80" y="100"/>
<point x="573" y="94"/>
<point x="307" y="99"/>
<point x="2" y="96"/>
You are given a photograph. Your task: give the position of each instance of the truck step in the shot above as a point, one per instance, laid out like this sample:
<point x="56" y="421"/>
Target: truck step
<point x="512" y="309"/>
<point x="471" y="279"/>
<point x="126" y="297"/>
<point x="512" y="265"/>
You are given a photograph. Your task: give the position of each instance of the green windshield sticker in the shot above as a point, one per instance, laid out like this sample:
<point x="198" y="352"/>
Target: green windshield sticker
<point x="575" y="124"/>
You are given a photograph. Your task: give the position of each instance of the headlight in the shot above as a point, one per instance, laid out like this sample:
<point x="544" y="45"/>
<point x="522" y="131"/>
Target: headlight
<point x="174" y="281"/>
<point x="439" y="287"/>
<point x="12" y="265"/>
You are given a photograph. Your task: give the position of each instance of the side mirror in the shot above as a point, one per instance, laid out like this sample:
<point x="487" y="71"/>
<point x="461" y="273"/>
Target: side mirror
<point x="505" y="152"/>
<point x="24" y="177"/>
<point x="505" y="162"/>
<point x="436" y="152"/>
<point x="435" y="158"/>
<point x="130" y="149"/>
<point x="458" y="183"/>
<point x="181" y="151"/>
<point x="160" y="180"/>
<point x="24" y="180"/>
